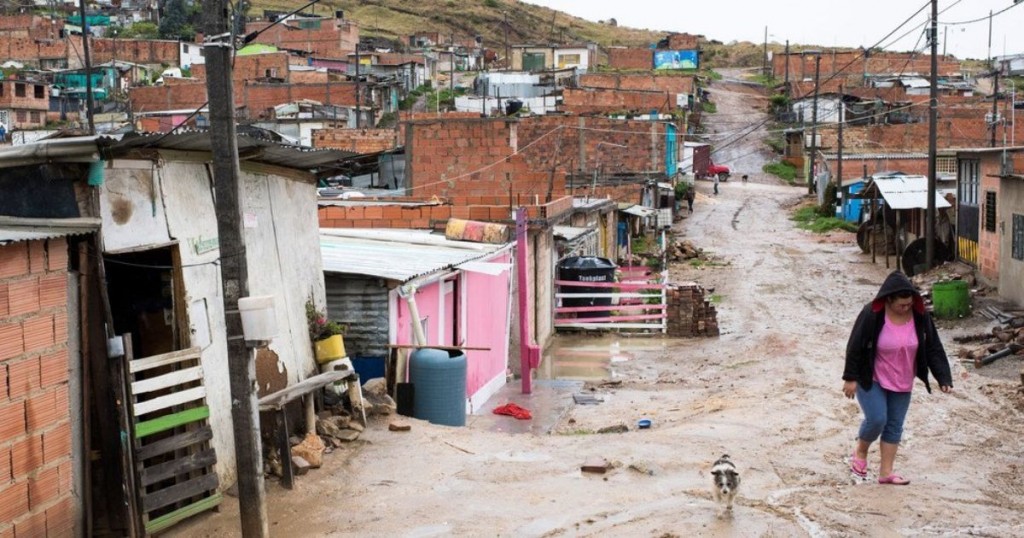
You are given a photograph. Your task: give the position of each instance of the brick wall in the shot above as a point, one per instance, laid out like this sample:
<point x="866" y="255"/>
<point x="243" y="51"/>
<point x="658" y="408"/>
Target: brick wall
<point x="30" y="51"/>
<point x="989" y="241"/>
<point x="626" y="58"/>
<point x="334" y="38"/>
<point x="881" y="63"/>
<point x="683" y="42"/>
<point x="591" y="101"/>
<point x="252" y="66"/>
<point x="577" y="143"/>
<point x="357" y="140"/>
<point x="307" y="76"/>
<point x="957" y="127"/>
<point x="471" y="157"/>
<point x="396" y="213"/>
<point x="140" y="51"/>
<point x="35" y="424"/>
<point x="615" y="81"/>
<point x="690" y="313"/>
<point x="257" y="98"/>
<point x="9" y="95"/>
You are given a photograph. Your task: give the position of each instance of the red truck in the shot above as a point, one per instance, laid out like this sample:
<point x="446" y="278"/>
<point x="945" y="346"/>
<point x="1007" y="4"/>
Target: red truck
<point x="697" y="160"/>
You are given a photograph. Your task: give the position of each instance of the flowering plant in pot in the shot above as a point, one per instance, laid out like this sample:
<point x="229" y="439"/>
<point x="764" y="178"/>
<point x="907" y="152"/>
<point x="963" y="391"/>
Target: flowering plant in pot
<point x="325" y="334"/>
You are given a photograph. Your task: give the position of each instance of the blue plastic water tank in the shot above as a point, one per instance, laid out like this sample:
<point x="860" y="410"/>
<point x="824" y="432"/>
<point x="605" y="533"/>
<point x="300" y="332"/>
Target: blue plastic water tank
<point x="439" y="386"/>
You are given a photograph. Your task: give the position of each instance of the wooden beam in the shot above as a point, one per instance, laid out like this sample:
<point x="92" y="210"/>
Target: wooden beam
<point x="179" y="377"/>
<point x="167" y="520"/>
<point x="171" y="400"/>
<point x="164" y="423"/>
<point x="171" y="444"/>
<point x="170" y="469"/>
<point x="178" y="492"/>
<point x="148" y="363"/>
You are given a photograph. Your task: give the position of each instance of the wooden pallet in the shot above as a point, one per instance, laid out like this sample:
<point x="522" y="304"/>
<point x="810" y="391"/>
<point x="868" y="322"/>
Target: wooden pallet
<point x="172" y="457"/>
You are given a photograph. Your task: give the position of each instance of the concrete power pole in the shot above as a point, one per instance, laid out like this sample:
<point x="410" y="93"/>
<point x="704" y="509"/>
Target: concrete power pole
<point x="218" y="50"/>
<point x="933" y="119"/>
<point x="814" y="125"/>
<point x="88" y="68"/>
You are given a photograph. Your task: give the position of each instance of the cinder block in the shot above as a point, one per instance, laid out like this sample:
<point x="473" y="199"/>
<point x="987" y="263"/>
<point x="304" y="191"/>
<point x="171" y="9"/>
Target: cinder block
<point x="37" y="256"/>
<point x="14" y="260"/>
<point x="42" y="410"/>
<point x="31" y="526"/>
<point x="23" y="376"/>
<point x="23" y="296"/>
<point x="59" y="518"/>
<point x="12" y="341"/>
<point x="53" y="290"/>
<point x="43" y="487"/>
<point x="12" y="420"/>
<point x="57" y="443"/>
<point x="38" y="332"/>
<point x="53" y="368"/>
<point x="26" y="455"/>
<point x="14" y="501"/>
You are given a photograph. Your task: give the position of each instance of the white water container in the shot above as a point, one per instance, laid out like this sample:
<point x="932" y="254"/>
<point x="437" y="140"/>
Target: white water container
<point x="259" y="320"/>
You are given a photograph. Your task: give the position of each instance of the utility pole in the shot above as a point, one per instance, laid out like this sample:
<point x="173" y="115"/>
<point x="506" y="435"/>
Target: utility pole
<point x="88" y="68"/>
<point x="358" y="95"/>
<point x="218" y="49"/>
<point x="764" y="58"/>
<point x="995" y="105"/>
<point x="787" y="65"/>
<point x="814" y="125"/>
<point x="933" y="119"/>
<point x="839" y="159"/>
<point x="508" y="53"/>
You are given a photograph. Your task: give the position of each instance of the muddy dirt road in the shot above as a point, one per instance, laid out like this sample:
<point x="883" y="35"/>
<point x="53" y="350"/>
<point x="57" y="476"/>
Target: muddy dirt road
<point x="767" y="391"/>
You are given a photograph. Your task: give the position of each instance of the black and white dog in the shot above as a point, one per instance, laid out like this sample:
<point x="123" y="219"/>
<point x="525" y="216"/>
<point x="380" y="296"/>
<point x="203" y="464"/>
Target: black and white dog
<point x="725" y="480"/>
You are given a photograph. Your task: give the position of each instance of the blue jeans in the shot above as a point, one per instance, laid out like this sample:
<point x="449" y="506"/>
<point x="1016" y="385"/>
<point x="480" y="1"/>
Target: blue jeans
<point x="884" y="411"/>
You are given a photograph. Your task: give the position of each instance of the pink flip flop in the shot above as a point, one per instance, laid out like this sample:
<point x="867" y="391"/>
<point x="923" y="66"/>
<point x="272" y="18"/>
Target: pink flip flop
<point x="894" y="479"/>
<point x="858" y="466"/>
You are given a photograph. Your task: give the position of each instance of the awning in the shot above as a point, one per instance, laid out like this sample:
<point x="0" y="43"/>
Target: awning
<point x="14" y="229"/>
<point x="640" y="211"/>
<point x="908" y="192"/>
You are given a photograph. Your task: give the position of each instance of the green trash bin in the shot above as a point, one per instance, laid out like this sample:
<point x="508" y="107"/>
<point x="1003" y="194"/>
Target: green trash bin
<point x="951" y="299"/>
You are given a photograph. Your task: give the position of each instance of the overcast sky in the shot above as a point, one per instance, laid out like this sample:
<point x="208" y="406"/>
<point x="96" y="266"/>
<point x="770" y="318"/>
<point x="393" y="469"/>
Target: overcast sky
<point x="825" y="23"/>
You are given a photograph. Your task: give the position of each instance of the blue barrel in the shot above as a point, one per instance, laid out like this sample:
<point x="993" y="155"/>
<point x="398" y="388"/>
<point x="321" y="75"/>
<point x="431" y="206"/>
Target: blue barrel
<point x="439" y="386"/>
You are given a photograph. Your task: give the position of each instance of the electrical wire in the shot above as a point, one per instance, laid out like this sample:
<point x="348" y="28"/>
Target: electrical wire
<point x="981" y="19"/>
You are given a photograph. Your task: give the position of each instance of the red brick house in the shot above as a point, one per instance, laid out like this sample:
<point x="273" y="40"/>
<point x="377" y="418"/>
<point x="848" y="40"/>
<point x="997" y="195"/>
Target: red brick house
<point x="23" y="104"/>
<point x="36" y="468"/>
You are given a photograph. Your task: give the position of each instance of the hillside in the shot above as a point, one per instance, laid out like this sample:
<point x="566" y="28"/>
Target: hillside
<point x="527" y="23"/>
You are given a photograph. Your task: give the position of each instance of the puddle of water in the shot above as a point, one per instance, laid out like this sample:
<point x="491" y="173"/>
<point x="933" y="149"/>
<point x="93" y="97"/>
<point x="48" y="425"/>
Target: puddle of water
<point x="588" y="357"/>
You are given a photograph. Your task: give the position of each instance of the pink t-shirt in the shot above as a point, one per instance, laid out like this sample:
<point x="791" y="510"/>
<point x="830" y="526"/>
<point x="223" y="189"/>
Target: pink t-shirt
<point x="895" y="358"/>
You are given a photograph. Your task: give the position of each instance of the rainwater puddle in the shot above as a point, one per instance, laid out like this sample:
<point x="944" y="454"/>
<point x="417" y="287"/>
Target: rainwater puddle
<point x="586" y="357"/>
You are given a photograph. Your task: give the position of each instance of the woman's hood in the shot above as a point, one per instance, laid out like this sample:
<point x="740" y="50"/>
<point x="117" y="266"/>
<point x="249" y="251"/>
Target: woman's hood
<point x="897" y="282"/>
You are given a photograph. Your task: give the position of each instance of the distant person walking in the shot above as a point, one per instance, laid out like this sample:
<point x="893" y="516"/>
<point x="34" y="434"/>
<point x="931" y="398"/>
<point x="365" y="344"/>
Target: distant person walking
<point x="689" y="198"/>
<point x="3" y="133"/>
<point x="716" y="184"/>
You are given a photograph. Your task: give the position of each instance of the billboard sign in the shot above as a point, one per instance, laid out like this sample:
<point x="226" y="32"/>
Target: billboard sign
<point x="675" y="59"/>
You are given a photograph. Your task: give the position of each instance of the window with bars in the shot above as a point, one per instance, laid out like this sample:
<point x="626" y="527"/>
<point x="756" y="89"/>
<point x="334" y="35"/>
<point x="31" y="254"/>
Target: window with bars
<point x="990" y="211"/>
<point x="1018" y="237"/>
<point x="946" y="165"/>
<point x="968" y="181"/>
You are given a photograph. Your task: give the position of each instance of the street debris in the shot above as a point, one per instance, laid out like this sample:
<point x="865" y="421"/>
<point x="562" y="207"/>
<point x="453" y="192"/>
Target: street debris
<point x="1002" y="341"/>
<point x="399" y="426"/>
<point x="596" y="465"/>
<point x="582" y="398"/>
<point x="513" y="410"/>
<point x="618" y="428"/>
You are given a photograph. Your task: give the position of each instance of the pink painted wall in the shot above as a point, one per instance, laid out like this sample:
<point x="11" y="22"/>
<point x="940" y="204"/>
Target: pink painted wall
<point x="487" y="325"/>
<point x="483" y="324"/>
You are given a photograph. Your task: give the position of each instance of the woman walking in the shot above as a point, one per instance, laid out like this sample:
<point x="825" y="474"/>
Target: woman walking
<point x="893" y="341"/>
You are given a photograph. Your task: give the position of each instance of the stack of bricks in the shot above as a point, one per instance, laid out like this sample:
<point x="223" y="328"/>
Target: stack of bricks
<point x="35" y="424"/>
<point x="690" y="313"/>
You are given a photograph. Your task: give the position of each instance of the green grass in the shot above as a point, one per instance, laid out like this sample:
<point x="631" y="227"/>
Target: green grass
<point x="764" y="80"/>
<point x="715" y="298"/>
<point x="785" y="171"/>
<point x="808" y="218"/>
<point x="713" y="75"/>
<point x="709" y="107"/>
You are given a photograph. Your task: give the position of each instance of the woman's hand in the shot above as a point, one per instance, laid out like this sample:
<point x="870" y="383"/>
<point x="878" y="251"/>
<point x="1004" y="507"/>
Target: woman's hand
<point x="850" y="388"/>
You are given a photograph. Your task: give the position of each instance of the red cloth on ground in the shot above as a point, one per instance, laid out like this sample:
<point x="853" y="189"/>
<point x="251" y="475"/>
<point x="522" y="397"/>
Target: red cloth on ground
<point x="513" y="410"/>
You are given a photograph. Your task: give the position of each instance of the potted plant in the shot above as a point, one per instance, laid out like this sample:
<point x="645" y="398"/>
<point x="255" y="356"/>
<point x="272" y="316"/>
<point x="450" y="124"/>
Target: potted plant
<point x="326" y="335"/>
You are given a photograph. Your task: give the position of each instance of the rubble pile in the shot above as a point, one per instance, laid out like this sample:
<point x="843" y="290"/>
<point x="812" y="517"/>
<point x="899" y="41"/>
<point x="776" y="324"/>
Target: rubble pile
<point x="684" y="249"/>
<point x="337" y="425"/>
<point x="1003" y="341"/>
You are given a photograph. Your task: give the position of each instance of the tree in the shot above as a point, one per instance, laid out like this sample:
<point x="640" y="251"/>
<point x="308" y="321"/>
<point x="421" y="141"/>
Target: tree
<point x="175" y="20"/>
<point x="140" y="30"/>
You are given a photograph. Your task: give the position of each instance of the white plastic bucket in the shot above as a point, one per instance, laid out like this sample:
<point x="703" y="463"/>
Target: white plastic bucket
<point x="259" y="321"/>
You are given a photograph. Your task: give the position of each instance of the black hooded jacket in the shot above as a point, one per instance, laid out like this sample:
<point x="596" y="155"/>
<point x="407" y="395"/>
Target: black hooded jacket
<point x="860" y="350"/>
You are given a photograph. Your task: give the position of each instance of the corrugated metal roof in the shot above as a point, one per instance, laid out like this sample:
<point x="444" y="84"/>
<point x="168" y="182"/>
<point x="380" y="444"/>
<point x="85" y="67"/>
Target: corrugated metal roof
<point x="400" y="255"/>
<point x="908" y="192"/>
<point x="570" y="232"/>
<point x="13" y="229"/>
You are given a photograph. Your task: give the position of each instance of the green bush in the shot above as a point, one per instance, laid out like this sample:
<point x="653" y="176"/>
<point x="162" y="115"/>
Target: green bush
<point x="709" y="107"/>
<point x="783" y="170"/>
<point x="809" y="218"/>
